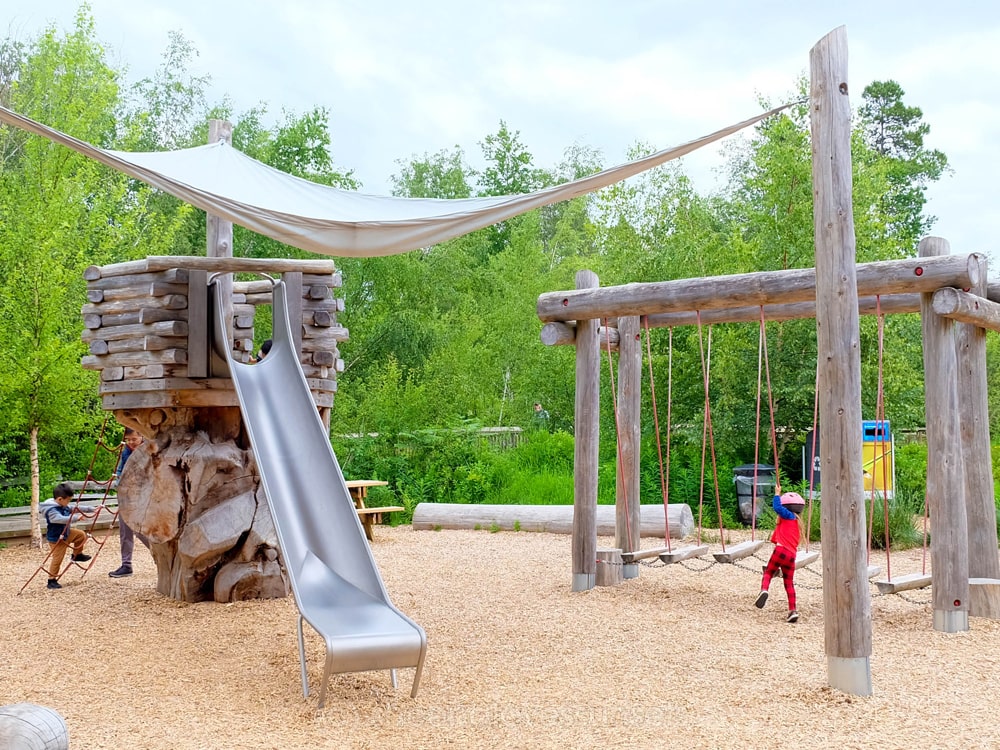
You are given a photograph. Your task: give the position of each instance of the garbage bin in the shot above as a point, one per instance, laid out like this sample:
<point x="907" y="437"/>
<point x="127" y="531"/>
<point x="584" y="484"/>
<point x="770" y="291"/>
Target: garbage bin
<point x="746" y="490"/>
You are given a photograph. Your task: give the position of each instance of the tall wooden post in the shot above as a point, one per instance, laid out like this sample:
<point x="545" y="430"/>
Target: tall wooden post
<point x="219" y="239"/>
<point x="945" y="467"/>
<point x="974" y="430"/>
<point x="846" y="598"/>
<point x="587" y="443"/>
<point x="629" y="411"/>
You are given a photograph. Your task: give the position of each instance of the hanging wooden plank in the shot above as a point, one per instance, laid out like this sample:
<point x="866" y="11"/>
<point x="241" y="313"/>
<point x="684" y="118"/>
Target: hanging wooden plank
<point x="684" y="553"/>
<point x="803" y="558"/>
<point x="908" y="582"/>
<point x="642" y="554"/>
<point x="735" y="552"/>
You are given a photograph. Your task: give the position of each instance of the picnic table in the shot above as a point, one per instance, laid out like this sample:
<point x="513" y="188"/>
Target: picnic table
<point x="368" y="516"/>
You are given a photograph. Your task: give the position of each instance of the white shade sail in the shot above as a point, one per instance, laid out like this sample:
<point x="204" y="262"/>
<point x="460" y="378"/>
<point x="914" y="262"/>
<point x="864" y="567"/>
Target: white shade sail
<point x="225" y="182"/>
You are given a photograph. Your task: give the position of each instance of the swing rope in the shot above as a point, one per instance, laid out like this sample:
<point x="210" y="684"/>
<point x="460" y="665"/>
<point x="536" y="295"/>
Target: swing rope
<point x="664" y="471"/>
<point x="812" y="456"/>
<point x="618" y="440"/>
<point x="708" y="436"/>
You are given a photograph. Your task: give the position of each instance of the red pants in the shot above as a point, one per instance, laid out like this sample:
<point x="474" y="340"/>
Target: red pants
<point x="784" y="560"/>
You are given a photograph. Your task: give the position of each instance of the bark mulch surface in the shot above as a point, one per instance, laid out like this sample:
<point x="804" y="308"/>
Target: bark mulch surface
<point x="676" y="657"/>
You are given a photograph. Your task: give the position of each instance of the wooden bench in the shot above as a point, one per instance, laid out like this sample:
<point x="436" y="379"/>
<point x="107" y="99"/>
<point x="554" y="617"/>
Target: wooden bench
<point x="15" y="523"/>
<point x="371" y="516"/>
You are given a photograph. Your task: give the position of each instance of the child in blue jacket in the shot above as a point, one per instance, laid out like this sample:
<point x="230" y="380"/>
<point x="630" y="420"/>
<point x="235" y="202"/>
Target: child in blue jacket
<point x="786" y="544"/>
<point x="60" y="535"/>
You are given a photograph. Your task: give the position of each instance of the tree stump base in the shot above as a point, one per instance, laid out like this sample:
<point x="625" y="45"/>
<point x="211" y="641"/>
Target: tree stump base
<point x="610" y="571"/>
<point x="984" y="598"/>
<point x="193" y="492"/>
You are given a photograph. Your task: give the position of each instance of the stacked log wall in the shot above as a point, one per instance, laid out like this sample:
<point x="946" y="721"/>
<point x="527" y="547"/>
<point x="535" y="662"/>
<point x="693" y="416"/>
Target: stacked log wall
<point x="139" y="331"/>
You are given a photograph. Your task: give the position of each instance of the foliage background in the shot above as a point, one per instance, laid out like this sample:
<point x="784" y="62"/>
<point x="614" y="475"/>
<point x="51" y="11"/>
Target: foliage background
<point x="444" y="340"/>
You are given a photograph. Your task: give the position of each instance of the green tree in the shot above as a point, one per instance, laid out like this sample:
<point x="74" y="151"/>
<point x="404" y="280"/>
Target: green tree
<point x="440" y="175"/>
<point x="895" y="133"/>
<point x="44" y="227"/>
<point x="59" y="213"/>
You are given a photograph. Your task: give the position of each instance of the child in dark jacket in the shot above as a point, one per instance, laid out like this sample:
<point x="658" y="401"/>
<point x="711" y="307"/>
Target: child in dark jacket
<point x="60" y="535"/>
<point x="786" y="544"/>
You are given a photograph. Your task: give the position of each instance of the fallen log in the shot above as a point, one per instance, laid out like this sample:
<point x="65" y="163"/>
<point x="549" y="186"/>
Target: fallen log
<point x="555" y="519"/>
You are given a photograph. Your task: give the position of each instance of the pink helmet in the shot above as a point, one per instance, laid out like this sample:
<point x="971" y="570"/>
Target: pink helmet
<point x="792" y="498"/>
<point x="793" y="501"/>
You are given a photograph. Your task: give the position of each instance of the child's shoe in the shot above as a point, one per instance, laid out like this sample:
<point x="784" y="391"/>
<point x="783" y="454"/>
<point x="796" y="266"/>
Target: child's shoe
<point x="53" y="584"/>
<point x="793" y="616"/>
<point x="123" y="572"/>
<point x="761" y="600"/>
<point x="81" y="557"/>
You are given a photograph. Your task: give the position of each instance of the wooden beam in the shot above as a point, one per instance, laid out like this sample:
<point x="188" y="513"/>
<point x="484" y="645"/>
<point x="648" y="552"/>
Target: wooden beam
<point x="966" y="307"/>
<point x="178" y="328"/>
<point x="974" y="432"/>
<point x="846" y="601"/>
<point x="945" y="465"/>
<point x="564" y="334"/>
<point x="753" y="289"/>
<point x="629" y="436"/>
<point x="586" y="446"/>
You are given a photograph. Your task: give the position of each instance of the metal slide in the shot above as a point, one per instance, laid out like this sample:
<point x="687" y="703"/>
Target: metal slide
<point x="336" y="584"/>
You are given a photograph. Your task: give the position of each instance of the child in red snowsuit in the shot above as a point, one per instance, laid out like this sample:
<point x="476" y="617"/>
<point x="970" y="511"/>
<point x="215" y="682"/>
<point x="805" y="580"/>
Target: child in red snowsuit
<point x="786" y="543"/>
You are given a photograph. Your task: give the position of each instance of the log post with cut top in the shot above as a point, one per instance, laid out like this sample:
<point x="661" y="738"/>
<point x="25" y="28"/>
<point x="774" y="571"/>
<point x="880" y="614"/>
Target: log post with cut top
<point x="846" y="597"/>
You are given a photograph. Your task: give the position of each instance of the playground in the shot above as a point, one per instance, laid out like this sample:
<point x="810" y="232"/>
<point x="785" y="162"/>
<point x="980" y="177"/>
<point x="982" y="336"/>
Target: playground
<point x="516" y="659"/>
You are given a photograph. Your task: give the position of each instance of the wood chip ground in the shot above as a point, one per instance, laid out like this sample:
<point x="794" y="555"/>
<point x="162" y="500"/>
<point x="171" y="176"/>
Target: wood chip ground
<point x="677" y="657"/>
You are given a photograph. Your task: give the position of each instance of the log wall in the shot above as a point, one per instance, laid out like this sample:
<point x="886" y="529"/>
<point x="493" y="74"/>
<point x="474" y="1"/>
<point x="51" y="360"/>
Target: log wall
<point x="146" y="326"/>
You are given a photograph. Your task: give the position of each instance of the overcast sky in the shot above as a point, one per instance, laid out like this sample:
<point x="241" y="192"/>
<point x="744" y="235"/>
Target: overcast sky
<point x="402" y="78"/>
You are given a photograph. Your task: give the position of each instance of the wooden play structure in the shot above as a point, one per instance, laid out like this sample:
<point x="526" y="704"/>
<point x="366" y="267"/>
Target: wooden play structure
<point x="956" y="305"/>
<point x="194" y="492"/>
<point x="195" y="496"/>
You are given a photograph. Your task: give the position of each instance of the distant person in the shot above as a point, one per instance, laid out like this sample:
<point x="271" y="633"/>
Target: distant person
<point x="125" y="534"/>
<point x="540" y="419"/>
<point x="786" y="545"/>
<point x="265" y="349"/>
<point x="60" y="535"/>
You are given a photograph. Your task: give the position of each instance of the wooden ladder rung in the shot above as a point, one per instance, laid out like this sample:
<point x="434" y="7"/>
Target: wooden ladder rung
<point x="683" y="553"/>
<point x="904" y="583"/>
<point x="738" y="551"/>
<point x="642" y="554"/>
